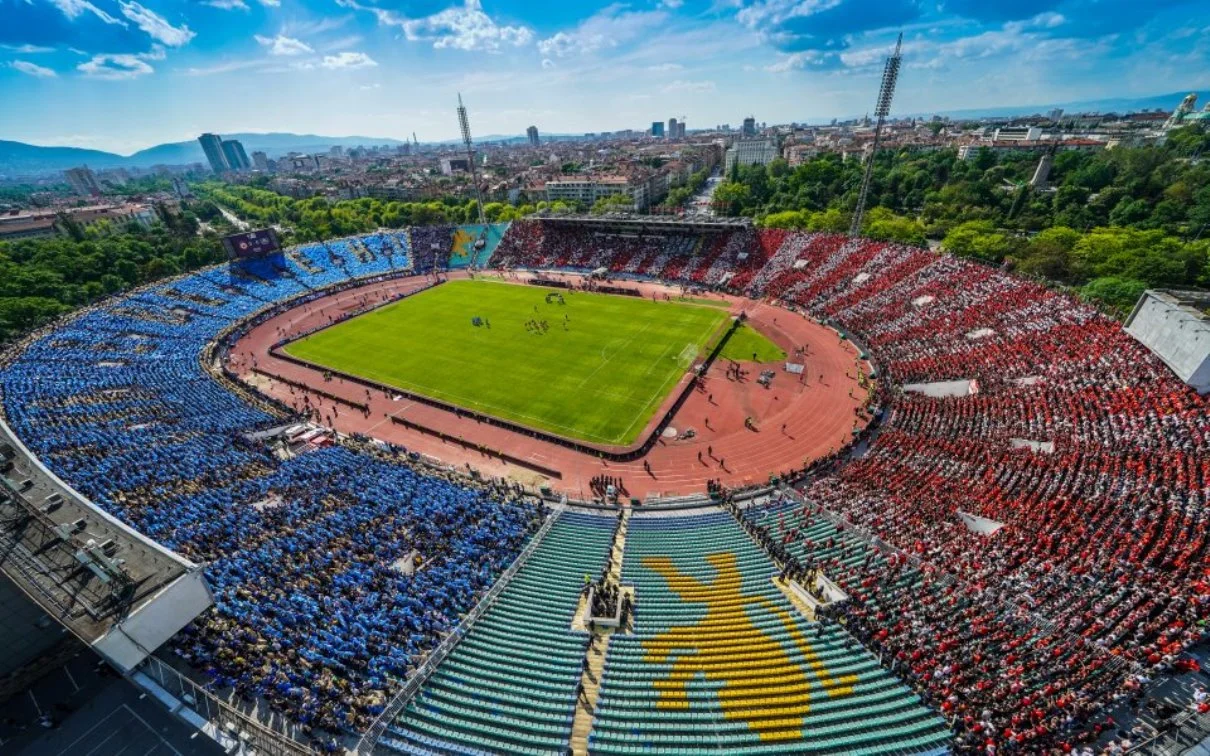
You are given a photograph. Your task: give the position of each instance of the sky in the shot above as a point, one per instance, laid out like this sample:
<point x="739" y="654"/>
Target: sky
<point x="123" y="75"/>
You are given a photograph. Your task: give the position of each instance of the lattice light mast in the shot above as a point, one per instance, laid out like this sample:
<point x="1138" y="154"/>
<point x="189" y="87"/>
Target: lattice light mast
<point x="890" y="75"/>
<point x="465" y="125"/>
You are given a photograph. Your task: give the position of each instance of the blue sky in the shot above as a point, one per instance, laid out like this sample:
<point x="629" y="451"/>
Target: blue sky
<point x="122" y="75"/>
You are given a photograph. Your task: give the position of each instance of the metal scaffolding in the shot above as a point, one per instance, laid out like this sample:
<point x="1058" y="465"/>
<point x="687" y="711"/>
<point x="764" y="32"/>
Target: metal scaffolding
<point x="890" y="75"/>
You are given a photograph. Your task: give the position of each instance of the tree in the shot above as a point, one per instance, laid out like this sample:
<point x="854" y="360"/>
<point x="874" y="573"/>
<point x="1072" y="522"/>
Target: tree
<point x="830" y="221"/>
<point x="732" y="196"/>
<point x="1048" y="254"/>
<point x="978" y="239"/>
<point x="614" y="203"/>
<point x="1118" y="293"/>
<point x="880" y="223"/>
<point x="1129" y="212"/>
<point x="791" y="219"/>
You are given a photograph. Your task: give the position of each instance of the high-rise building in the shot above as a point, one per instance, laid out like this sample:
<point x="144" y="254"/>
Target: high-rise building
<point x="260" y="161"/>
<point x="532" y="133"/>
<point x="83" y="181"/>
<point x="749" y="129"/>
<point x="212" y="145"/>
<point x="1056" y="114"/>
<point x="237" y="159"/>
<point x="672" y="130"/>
<point x="680" y="130"/>
<point x="657" y="129"/>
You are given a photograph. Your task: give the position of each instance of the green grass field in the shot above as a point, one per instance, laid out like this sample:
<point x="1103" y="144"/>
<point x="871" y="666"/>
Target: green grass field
<point x="746" y="342"/>
<point x="600" y="380"/>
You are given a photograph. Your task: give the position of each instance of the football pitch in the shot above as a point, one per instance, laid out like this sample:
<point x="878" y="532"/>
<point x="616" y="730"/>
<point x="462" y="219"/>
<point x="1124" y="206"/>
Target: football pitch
<point x="597" y="371"/>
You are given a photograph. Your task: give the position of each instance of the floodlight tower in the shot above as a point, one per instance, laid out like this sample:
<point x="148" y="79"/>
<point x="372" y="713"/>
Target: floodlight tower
<point x="465" y="125"/>
<point x="890" y="75"/>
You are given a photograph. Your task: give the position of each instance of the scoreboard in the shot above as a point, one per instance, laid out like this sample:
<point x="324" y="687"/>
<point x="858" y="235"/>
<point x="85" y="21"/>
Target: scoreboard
<point x="251" y="244"/>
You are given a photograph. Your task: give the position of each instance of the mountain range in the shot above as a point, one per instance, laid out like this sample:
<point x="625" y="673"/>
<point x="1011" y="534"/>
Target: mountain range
<point x="21" y="159"/>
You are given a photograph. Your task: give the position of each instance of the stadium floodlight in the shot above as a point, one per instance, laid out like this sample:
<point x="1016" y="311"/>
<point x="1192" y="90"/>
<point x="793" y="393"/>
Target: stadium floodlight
<point x="890" y="76"/>
<point x="465" y="125"/>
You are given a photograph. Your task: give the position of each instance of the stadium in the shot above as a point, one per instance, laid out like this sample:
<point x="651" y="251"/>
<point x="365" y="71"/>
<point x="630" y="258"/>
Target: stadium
<point x="616" y="485"/>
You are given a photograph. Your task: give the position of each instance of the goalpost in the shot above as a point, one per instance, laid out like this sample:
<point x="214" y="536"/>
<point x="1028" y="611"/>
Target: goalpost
<point x="687" y="356"/>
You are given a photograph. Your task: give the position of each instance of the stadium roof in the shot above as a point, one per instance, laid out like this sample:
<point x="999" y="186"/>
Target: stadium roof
<point x="85" y="568"/>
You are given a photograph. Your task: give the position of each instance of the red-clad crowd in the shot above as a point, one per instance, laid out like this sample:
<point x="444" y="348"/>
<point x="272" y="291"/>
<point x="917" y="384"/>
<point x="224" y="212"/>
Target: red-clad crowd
<point x="1047" y="530"/>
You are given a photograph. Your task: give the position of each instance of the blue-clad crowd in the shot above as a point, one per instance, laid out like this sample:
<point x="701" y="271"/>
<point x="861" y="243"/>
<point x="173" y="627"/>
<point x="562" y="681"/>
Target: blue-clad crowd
<point x="312" y="610"/>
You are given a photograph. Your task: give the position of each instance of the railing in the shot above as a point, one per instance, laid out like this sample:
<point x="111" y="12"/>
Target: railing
<point x="1186" y="732"/>
<point x="235" y="731"/>
<point x="417" y="679"/>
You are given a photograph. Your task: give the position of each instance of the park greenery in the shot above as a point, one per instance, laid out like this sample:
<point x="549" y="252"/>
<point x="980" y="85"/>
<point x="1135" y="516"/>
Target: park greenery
<point x="1111" y="223"/>
<point x="43" y="277"/>
<point x="318" y="218"/>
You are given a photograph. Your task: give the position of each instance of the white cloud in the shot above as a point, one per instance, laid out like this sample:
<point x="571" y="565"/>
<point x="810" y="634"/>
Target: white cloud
<point x="227" y="67"/>
<point x="341" y="43"/>
<point x="547" y="63"/>
<point x="156" y="52"/>
<point x="115" y="67"/>
<point x="1047" y="20"/>
<point x="271" y="3"/>
<point x="673" y="4"/>
<point x="608" y="28"/>
<point x="73" y="9"/>
<point x="466" y="28"/>
<point x="368" y="87"/>
<point x="348" y="60"/>
<point x="28" y="49"/>
<point x="793" y="62"/>
<point x="301" y="29"/>
<point x="666" y="67"/>
<point x="689" y="86"/>
<point x="155" y="25"/>
<point x="460" y="27"/>
<point x="283" y="45"/>
<point x="227" y="4"/>
<point x="33" y="69"/>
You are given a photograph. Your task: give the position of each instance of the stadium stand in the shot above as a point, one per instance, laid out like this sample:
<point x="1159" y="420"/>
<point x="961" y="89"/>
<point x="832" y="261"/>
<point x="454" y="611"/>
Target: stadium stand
<point x="510" y="686"/>
<point x="466" y="251"/>
<point x="1080" y="443"/>
<point x="1019" y="556"/>
<point x="310" y="615"/>
<point x="719" y="658"/>
<point x="431" y="246"/>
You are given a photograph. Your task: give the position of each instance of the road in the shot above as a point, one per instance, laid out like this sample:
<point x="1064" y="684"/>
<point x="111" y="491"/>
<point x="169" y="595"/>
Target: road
<point x="700" y="204"/>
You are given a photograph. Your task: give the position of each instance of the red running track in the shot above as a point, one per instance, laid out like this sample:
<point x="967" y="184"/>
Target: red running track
<point x="797" y="421"/>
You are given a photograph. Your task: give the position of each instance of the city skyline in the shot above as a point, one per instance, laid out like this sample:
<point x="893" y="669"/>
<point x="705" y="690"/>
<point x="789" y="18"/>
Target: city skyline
<point x="80" y="72"/>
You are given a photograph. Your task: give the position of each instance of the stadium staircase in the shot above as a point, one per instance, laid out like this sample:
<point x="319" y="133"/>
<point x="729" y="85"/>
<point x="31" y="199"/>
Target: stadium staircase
<point x="720" y="661"/>
<point x="510" y="685"/>
<point x="590" y="681"/>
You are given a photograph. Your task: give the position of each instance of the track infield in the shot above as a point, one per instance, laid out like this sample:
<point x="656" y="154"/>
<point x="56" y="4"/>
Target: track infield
<point x="597" y="376"/>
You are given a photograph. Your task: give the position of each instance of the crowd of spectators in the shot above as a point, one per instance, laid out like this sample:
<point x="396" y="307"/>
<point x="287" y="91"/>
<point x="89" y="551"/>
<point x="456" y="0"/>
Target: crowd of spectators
<point x="1021" y="554"/>
<point x="708" y="259"/>
<point x="1084" y="459"/>
<point x="431" y="247"/>
<point x="314" y="611"/>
